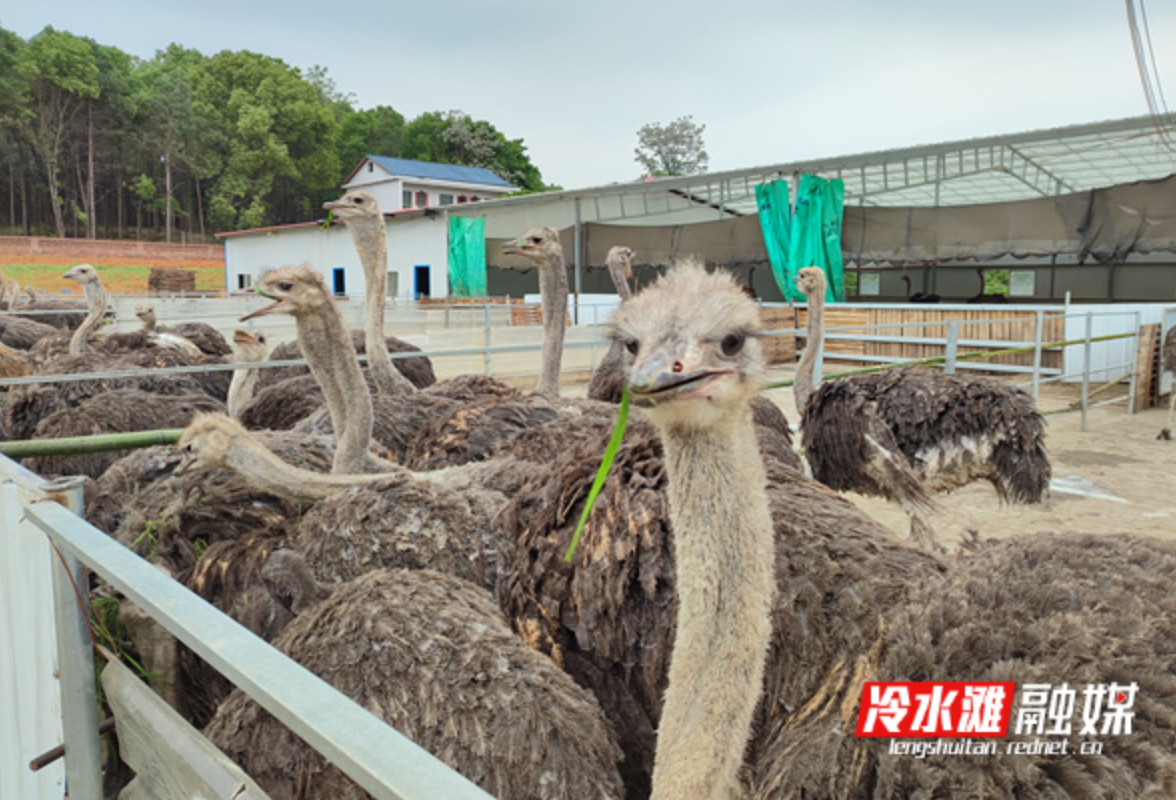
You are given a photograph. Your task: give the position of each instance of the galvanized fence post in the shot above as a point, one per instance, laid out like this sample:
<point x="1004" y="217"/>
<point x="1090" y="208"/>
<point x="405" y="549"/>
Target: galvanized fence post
<point x="75" y="654"/>
<point x="951" y="347"/>
<point x="1038" y="338"/>
<point x="595" y="331"/>
<point x="1086" y="345"/>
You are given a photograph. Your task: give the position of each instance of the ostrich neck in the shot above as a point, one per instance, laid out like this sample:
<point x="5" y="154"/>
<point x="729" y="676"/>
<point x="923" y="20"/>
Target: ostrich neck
<point x="553" y="289"/>
<point x="96" y="299"/>
<point x="806" y="370"/>
<point x="268" y="473"/>
<point x="724" y="551"/>
<point x="371" y="241"/>
<point x="617" y="273"/>
<point x="241" y="389"/>
<point x="327" y="348"/>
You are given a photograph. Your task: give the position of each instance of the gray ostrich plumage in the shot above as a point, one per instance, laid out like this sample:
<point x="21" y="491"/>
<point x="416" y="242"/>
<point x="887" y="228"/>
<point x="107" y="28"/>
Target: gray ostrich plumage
<point x="907" y="433"/>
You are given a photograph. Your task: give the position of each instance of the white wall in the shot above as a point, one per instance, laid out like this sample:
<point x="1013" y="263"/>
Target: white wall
<point x="419" y="241"/>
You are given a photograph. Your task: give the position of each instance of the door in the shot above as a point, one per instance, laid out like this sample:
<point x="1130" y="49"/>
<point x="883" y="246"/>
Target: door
<point x="340" y="280"/>
<point x="420" y="283"/>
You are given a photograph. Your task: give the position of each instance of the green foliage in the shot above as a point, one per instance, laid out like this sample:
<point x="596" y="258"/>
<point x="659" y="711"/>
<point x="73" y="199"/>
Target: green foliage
<point x="234" y="140"/>
<point x="672" y="149"/>
<point x="996" y="281"/>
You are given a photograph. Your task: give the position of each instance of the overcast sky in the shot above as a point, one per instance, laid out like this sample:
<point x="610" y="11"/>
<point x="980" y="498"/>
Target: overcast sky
<point x="771" y="81"/>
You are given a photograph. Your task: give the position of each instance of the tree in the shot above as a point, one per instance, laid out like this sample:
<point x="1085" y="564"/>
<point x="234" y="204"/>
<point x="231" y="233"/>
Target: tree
<point x="453" y="137"/>
<point x="62" y="73"/>
<point x="376" y="131"/>
<point x="278" y="141"/>
<point x="673" y="149"/>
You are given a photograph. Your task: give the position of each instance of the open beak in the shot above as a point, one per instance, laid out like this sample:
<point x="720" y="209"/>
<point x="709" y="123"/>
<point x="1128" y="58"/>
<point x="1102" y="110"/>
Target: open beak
<point x="243" y="337"/>
<point x="514" y="248"/>
<point x="665" y="375"/>
<point x="276" y="307"/>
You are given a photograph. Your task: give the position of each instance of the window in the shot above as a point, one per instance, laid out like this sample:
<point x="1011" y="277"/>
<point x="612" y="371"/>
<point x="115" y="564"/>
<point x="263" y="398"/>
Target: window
<point x="392" y="286"/>
<point x="461" y="198"/>
<point x="422" y="199"/>
<point x="475" y="199"/>
<point x="244" y="281"/>
<point x="446" y="200"/>
<point x="340" y="281"/>
<point x="406" y="199"/>
<point x="371" y="167"/>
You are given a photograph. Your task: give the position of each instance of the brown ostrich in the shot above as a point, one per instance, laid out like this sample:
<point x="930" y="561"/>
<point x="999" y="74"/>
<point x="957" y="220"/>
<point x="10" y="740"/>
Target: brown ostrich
<point x="906" y="433"/>
<point x="431" y="655"/>
<point x="203" y="336"/>
<point x="361" y="214"/>
<point x="1168" y="356"/>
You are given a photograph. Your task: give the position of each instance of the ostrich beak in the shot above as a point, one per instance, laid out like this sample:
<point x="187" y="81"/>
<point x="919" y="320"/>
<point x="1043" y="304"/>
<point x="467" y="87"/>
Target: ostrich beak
<point x="513" y="248"/>
<point x="665" y="375"/>
<point x="276" y="307"/>
<point x="243" y="337"/>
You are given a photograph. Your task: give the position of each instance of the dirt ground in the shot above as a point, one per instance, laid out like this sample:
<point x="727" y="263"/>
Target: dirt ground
<point x="1125" y="477"/>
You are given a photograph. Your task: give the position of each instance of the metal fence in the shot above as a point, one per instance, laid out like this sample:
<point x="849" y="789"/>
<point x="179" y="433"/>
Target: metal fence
<point x="47" y="671"/>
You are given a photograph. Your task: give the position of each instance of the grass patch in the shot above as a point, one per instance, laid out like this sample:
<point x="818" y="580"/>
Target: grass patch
<point x="46" y="273"/>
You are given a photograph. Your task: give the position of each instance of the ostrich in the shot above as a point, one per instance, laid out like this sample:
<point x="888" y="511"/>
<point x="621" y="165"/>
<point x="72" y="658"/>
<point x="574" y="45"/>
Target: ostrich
<point x="905" y="433"/>
<point x="918" y="297"/>
<point x="1168" y="356"/>
<point x="609" y="378"/>
<point x="696" y="366"/>
<point x="201" y="335"/>
<point x="431" y="655"/>
<point x="541" y="247"/>
<point x="300" y="292"/>
<point x="96" y="299"/>
<point x="250" y="349"/>
<point x="361" y="214"/>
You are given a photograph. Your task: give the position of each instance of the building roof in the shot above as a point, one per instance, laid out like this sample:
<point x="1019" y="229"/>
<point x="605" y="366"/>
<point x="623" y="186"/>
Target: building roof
<point x="428" y="170"/>
<point x="991" y="169"/>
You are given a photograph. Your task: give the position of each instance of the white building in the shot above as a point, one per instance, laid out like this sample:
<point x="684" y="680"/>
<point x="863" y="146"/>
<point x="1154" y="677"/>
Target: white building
<point x="409" y="193"/>
<point x="418" y="254"/>
<point x="400" y="183"/>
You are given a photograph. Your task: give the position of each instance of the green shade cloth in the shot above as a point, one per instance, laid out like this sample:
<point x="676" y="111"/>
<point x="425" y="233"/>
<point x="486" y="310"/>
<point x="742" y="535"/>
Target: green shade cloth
<point x="811" y="236"/>
<point x="467" y="257"/>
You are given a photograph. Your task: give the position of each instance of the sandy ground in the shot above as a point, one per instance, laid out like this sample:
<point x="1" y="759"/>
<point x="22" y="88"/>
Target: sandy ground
<point x="1117" y="455"/>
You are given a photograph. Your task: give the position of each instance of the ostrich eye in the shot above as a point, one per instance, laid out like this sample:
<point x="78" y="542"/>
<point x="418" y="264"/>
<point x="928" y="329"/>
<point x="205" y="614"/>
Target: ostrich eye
<point x="285" y="286"/>
<point x="632" y="345"/>
<point x="359" y="200"/>
<point x="536" y="240"/>
<point x="732" y="343"/>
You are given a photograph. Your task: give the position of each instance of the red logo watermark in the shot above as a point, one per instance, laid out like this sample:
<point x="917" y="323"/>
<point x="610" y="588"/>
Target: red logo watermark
<point x="948" y="709"/>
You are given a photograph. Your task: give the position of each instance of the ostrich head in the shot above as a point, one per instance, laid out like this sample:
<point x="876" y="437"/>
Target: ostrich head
<point x="356" y="204"/>
<point x="694" y="339"/>
<point x="205" y="443"/>
<point x="85" y="274"/>
<point x="146" y="314"/>
<point x="811" y="281"/>
<point x="620" y="263"/>
<point x="294" y="290"/>
<point x="249" y="346"/>
<point x="540" y="246"/>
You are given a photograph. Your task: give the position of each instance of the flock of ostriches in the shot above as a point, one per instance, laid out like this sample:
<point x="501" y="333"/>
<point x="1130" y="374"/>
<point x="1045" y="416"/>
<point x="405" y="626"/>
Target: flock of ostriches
<point x="404" y="539"/>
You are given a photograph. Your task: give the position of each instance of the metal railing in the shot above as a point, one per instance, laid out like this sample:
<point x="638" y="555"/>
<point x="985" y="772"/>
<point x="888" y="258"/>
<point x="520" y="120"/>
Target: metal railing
<point x="382" y="761"/>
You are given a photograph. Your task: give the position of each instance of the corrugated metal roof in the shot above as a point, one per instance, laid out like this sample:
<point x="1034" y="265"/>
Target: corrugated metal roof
<point x="440" y="172"/>
<point x="991" y="169"/>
